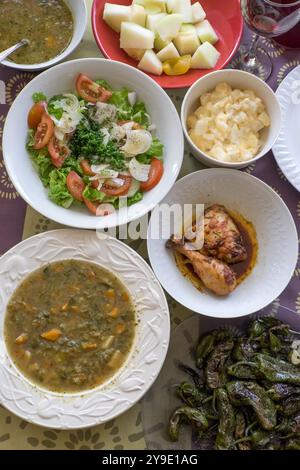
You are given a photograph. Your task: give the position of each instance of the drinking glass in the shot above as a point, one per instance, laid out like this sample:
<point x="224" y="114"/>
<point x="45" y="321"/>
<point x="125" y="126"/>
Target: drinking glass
<point x="268" y="19"/>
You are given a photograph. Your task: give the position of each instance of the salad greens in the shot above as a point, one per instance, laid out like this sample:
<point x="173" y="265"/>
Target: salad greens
<point x="87" y="143"/>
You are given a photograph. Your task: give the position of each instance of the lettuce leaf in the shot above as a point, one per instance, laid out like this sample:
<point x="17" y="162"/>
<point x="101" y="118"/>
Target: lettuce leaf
<point x="39" y="96"/>
<point x="104" y="84"/>
<point x="156" y="150"/>
<point x="58" y="191"/>
<point x="129" y="201"/>
<point x="54" y="108"/>
<point x="126" y="112"/>
<point x="93" y="194"/>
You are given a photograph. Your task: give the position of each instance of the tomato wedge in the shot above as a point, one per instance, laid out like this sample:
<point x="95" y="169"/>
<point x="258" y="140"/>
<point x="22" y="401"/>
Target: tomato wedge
<point x="58" y="152"/>
<point x="109" y="190"/>
<point x="98" y="209"/>
<point x="86" y="168"/>
<point x="35" y="114"/>
<point x="155" y="174"/>
<point x="75" y="185"/>
<point x="90" y="91"/>
<point x="44" y="132"/>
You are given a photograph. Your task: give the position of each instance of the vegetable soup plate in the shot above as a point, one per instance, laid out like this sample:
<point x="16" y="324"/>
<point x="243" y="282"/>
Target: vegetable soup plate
<point x="32" y="399"/>
<point x="75" y="79"/>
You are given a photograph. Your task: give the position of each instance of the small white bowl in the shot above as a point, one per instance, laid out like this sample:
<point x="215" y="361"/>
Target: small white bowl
<point x="276" y="235"/>
<point x="241" y="80"/>
<point x="80" y="16"/>
<point x="61" y="79"/>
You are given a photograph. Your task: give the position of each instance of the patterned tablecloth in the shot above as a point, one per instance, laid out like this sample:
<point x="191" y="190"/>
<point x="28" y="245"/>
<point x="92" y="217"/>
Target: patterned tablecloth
<point x="19" y="221"/>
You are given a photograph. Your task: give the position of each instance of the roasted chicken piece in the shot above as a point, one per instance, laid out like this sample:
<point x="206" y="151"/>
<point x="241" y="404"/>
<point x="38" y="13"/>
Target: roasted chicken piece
<point x="222" y="238"/>
<point x="215" y="275"/>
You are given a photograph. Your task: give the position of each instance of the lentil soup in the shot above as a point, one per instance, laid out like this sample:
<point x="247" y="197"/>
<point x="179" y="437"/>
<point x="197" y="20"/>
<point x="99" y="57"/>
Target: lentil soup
<point x="70" y="326"/>
<point x="48" y="24"/>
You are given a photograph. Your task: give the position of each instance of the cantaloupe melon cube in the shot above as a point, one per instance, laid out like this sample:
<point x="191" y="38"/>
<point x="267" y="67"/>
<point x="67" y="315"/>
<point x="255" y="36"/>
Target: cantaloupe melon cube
<point x="168" y="52"/>
<point x="138" y="15"/>
<point x="152" y="21"/>
<point x="206" y="32"/>
<point x="150" y="63"/>
<point x="198" y="14"/>
<point x="136" y="54"/>
<point x="186" y="43"/>
<point x="169" y="26"/>
<point x="205" y="57"/>
<point x="133" y="35"/>
<point x="183" y="7"/>
<point x="114" y="15"/>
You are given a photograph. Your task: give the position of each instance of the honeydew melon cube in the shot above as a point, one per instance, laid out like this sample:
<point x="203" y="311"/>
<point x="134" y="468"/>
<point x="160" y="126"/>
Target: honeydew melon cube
<point x="205" y="57"/>
<point x="138" y="15"/>
<point x="133" y="35"/>
<point x="152" y="21"/>
<point x="168" y="52"/>
<point x="136" y="53"/>
<point x="198" y="14"/>
<point x="152" y="6"/>
<point x="114" y="15"/>
<point x="150" y="63"/>
<point x="160" y="43"/>
<point x="188" y="29"/>
<point x="169" y="26"/>
<point x="206" y="32"/>
<point x="186" y="43"/>
<point x="183" y="7"/>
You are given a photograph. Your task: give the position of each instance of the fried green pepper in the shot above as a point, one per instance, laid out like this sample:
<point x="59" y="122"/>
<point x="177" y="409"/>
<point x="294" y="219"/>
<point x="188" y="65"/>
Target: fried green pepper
<point x="244" y="349"/>
<point x="240" y="429"/>
<point x="252" y="394"/>
<point x="225" y="437"/>
<point x="290" y="405"/>
<point x="277" y="370"/>
<point x="188" y="414"/>
<point x="242" y="370"/>
<point x="204" y="348"/>
<point x="215" y="373"/>
<point x="190" y="394"/>
<point x="279" y="391"/>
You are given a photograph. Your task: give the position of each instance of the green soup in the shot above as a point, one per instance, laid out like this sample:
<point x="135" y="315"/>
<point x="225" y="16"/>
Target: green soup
<point x="48" y="24"/>
<point x="70" y="326"/>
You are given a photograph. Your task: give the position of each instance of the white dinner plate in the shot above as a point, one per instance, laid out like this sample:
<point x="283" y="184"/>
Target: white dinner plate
<point x="128" y="385"/>
<point x="286" y="149"/>
<point x="276" y="235"/>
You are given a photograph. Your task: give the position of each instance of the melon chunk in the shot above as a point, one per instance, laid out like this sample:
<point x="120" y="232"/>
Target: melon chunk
<point x="136" y="53"/>
<point x="168" y="52"/>
<point x="186" y="43"/>
<point x="169" y="26"/>
<point x="150" y="63"/>
<point x="205" y="57"/>
<point x="160" y="43"/>
<point x="133" y="35"/>
<point x="114" y="15"/>
<point x="153" y="19"/>
<point x="198" y="14"/>
<point x="183" y="7"/>
<point x="206" y="32"/>
<point x="170" y="4"/>
<point x="138" y="15"/>
<point x="152" y="6"/>
<point x="188" y="29"/>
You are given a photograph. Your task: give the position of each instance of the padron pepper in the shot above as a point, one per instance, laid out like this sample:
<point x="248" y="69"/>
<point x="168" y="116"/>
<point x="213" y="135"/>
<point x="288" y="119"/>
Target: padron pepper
<point x="225" y="437"/>
<point x="186" y="413"/>
<point x="277" y="370"/>
<point x="252" y="394"/>
<point x="215" y="373"/>
<point x="279" y="391"/>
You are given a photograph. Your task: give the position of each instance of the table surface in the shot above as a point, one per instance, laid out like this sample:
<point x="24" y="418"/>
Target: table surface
<point x="19" y="221"/>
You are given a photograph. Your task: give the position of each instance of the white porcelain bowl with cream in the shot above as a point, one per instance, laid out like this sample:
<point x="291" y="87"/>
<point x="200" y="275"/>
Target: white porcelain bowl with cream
<point x="237" y="80"/>
<point x="80" y="17"/>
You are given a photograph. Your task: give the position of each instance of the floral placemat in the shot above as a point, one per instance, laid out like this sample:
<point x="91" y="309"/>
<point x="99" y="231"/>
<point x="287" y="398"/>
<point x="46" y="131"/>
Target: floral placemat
<point x="17" y="221"/>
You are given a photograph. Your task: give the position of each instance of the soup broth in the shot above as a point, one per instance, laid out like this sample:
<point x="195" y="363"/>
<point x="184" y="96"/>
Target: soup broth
<point x="70" y="325"/>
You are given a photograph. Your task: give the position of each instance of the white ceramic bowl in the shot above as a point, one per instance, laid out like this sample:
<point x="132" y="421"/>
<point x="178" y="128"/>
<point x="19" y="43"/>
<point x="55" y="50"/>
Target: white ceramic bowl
<point x="61" y="78"/>
<point x="80" y="16"/>
<point x="276" y="235"/>
<point x="241" y="80"/>
<point x="98" y="405"/>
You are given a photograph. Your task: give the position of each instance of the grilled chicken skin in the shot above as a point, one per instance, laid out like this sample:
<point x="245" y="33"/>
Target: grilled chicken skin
<point x="215" y="275"/>
<point x="222" y="238"/>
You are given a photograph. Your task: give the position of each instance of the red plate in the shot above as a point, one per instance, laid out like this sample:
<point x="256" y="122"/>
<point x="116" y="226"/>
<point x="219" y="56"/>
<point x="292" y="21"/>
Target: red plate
<point x="225" y="17"/>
